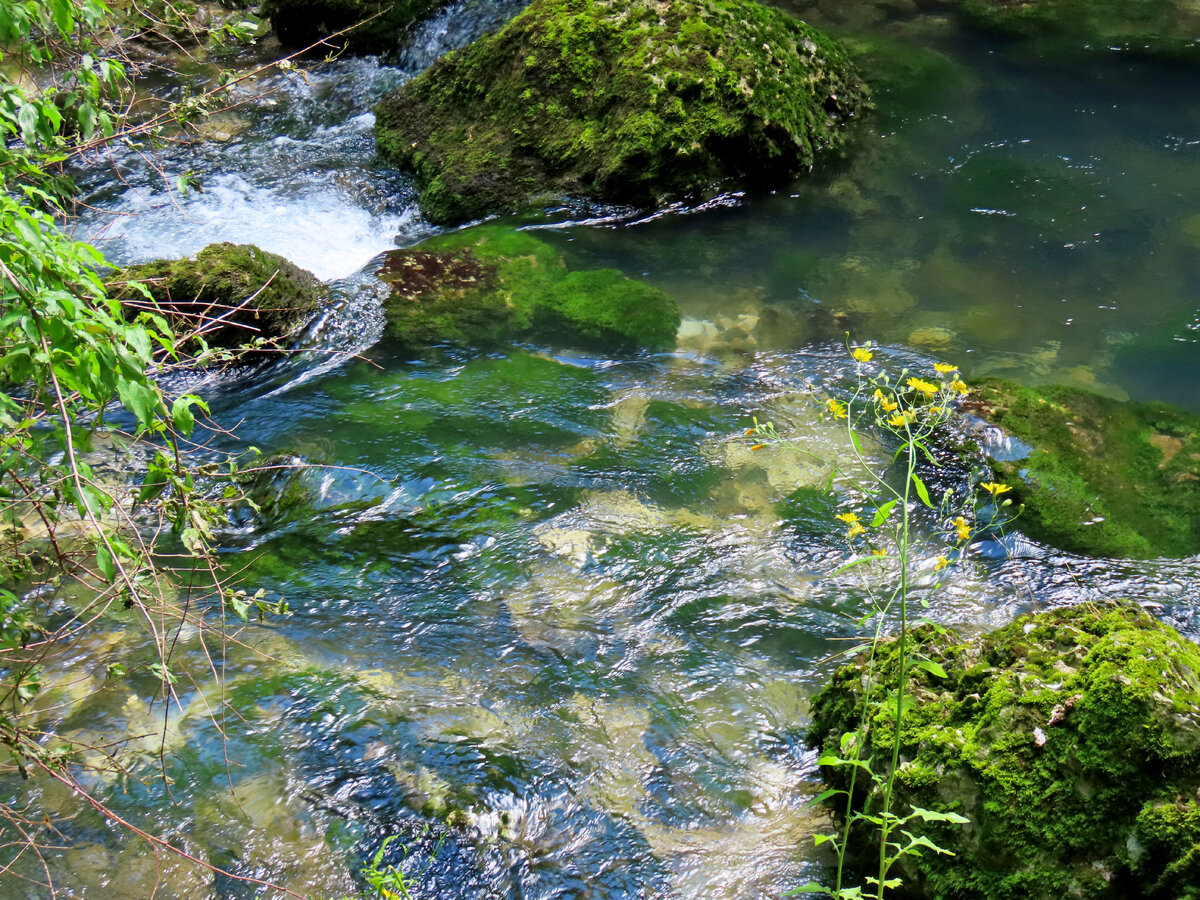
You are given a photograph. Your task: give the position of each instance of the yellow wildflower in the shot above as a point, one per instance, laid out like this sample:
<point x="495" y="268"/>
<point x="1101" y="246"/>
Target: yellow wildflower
<point x="897" y="421"/>
<point x="941" y="563"/>
<point x="863" y="354"/>
<point x="995" y="489"/>
<point x="758" y="446"/>
<point x="837" y="408"/>
<point x="961" y="528"/>
<point x="884" y="403"/>
<point x="856" y="528"/>
<point x="849" y="518"/>
<point x="959" y="386"/>
<point x="879" y="551"/>
<point x="928" y="388"/>
<point x="944" y="368"/>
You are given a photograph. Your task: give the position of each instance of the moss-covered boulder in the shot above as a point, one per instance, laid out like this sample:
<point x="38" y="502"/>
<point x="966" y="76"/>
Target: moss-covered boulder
<point x="238" y="295"/>
<point x="492" y="285"/>
<point x="628" y="102"/>
<point x="1160" y="27"/>
<point x="1070" y="739"/>
<point x="300" y="23"/>
<point x="1103" y="477"/>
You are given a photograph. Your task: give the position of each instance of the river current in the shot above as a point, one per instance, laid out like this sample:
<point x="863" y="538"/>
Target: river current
<point x="554" y="627"/>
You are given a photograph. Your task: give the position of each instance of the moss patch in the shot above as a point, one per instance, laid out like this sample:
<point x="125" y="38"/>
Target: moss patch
<point x="490" y="286"/>
<point x="1105" y="478"/>
<point x="302" y="22"/>
<point x="1164" y="27"/>
<point x="628" y="102"/>
<point x="217" y="282"/>
<point x="1070" y="739"/>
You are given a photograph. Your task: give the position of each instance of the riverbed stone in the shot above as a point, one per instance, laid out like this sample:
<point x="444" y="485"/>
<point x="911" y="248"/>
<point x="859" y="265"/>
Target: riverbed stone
<point x="260" y="298"/>
<point x="632" y="102"/>
<point x="1159" y="27"/>
<point x="491" y="285"/>
<point x="385" y="22"/>
<point x="1105" y="478"/>
<point x="1070" y="739"/>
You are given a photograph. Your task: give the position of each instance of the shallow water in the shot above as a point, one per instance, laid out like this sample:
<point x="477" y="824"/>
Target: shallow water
<point x="552" y="598"/>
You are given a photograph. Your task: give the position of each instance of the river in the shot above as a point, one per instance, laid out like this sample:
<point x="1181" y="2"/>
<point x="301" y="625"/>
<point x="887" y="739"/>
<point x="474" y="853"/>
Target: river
<point x="548" y="597"/>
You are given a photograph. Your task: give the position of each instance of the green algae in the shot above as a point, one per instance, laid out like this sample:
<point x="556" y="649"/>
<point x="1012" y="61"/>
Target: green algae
<point x="490" y="286"/>
<point x="1160" y="27"/>
<point x="1069" y="738"/>
<point x="384" y="22"/>
<point x="1104" y="478"/>
<point x="256" y="294"/>
<point x="626" y="102"/>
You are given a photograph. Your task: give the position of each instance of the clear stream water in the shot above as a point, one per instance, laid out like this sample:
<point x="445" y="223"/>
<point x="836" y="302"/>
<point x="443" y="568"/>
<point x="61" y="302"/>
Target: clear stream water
<point x="545" y="594"/>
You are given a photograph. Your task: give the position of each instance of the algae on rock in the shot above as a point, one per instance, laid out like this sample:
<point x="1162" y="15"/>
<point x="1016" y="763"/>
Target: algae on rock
<point x="492" y="285"/>
<point x="236" y="292"/>
<point x="623" y="102"/>
<point x="1104" y="478"/>
<point x="1070" y="738"/>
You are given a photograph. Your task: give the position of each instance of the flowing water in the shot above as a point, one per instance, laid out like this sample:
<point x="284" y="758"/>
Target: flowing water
<point x="549" y="598"/>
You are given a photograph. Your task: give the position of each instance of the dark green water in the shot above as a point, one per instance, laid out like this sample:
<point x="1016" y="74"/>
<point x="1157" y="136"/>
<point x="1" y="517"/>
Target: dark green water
<point x="549" y="597"/>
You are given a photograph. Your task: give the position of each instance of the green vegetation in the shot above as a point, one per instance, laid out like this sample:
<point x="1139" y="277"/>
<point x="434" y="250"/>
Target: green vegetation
<point x="1104" y="478"/>
<point x="300" y="23"/>
<point x="886" y="835"/>
<point x="231" y="295"/>
<point x="1069" y="738"/>
<point x="632" y="102"/>
<point x="491" y="285"/>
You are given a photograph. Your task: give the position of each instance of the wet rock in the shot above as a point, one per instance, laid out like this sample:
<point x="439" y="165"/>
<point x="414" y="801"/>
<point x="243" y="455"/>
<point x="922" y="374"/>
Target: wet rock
<point x="1069" y="738"/>
<point x="1161" y="27"/>
<point x="1104" y="478"/>
<point x="491" y="285"/>
<point x="621" y="102"/>
<point x="233" y="295"/>
<point x="384" y="22"/>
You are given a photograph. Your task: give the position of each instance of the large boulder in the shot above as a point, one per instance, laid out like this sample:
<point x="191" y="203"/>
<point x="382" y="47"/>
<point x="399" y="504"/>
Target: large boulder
<point x="1070" y="739"/>
<point x="1101" y="477"/>
<point x="492" y="285"/>
<point x="629" y="102"/>
<point x="238" y="295"/>
<point x="300" y="23"/>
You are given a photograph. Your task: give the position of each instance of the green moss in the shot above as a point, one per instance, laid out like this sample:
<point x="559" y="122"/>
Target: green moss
<point x="302" y="22"/>
<point x="491" y="285"/>
<point x="1165" y="27"/>
<point x="626" y="102"/>
<point x="1105" y="478"/>
<point x="1067" y="738"/>
<point x="218" y="282"/>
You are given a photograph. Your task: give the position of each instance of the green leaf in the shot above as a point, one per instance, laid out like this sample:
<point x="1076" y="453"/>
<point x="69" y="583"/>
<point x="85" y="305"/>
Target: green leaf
<point x="882" y="513"/>
<point x="810" y="888"/>
<point x="930" y="666"/>
<point x="140" y="399"/>
<point x="932" y="815"/>
<point x="181" y="415"/>
<point x="105" y="563"/>
<point x="922" y="491"/>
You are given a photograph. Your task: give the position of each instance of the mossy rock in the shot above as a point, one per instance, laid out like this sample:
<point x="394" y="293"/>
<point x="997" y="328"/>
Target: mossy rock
<point x="1069" y="738"/>
<point x="629" y="102"/>
<point x="220" y="281"/>
<point x="300" y="23"/>
<point x="490" y="286"/>
<point x="1159" y="27"/>
<point x="1104" y="478"/>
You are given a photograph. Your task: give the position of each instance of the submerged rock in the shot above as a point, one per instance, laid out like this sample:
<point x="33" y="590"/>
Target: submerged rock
<point x="1104" y="478"/>
<point x="621" y="102"/>
<point x="491" y="285"/>
<point x="1069" y="738"/>
<point x="302" y="22"/>
<point x="1163" y="27"/>
<point x="237" y="294"/>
